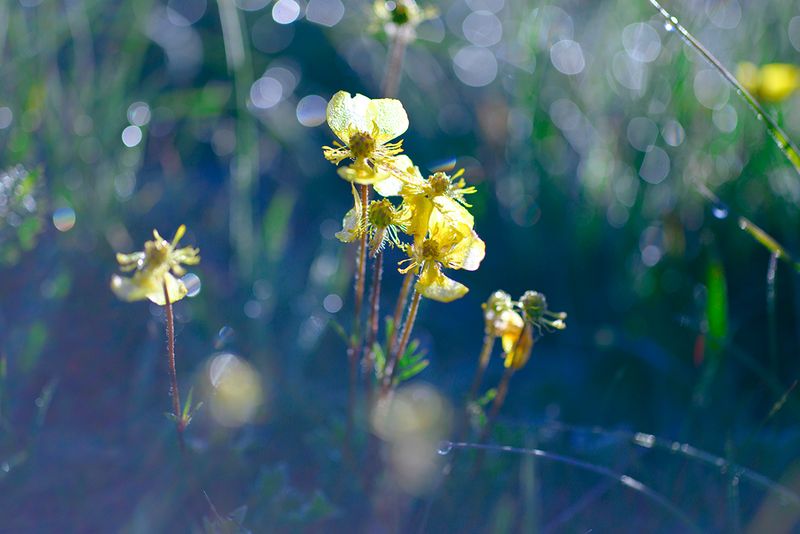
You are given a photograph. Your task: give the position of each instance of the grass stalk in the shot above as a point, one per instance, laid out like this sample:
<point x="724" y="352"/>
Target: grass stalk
<point x="785" y="144"/>
<point x="772" y="325"/>
<point x="483" y="362"/>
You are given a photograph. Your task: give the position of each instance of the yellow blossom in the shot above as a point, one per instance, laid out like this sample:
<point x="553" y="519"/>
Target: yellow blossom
<point x="439" y="197"/>
<point x="154" y="268"/>
<point x="773" y="82"/>
<point x="382" y="223"/>
<point x="447" y="246"/>
<point x="517" y="346"/>
<point x="366" y="127"/>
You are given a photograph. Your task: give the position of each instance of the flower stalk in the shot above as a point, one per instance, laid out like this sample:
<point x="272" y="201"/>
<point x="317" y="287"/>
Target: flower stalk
<point x="391" y="365"/>
<point x="180" y="424"/>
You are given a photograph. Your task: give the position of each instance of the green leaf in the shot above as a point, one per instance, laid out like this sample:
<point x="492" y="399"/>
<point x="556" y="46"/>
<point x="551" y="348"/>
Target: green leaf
<point x="412" y="371"/>
<point x="380" y="360"/>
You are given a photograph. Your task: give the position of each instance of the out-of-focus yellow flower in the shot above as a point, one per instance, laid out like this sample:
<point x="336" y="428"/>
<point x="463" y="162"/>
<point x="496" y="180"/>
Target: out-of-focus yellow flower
<point x="517" y="347"/>
<point x="773" y="82"/>
<point x="440" y="197"/>
<point x="447" y="245"/>
<point x="153" y="269"/>
<point x="366" y="127"/>
<point x="393" y="15"/>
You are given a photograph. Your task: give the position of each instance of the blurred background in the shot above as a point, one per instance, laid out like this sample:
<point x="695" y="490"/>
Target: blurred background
<point x="590" y="130"/>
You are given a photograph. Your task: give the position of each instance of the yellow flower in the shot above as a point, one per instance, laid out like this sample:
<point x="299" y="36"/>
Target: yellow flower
<point x="153" y="268"/>
<point x="773" y="82"/>
<point x="439" y="197"/>
<point x="366" y="127"/>
<point x="517" y="346"/>
<point x="447" y="245"/>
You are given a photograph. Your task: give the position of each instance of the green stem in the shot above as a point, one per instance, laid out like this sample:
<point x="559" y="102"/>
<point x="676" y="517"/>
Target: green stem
<point x="388" y="375"/>
<point x="398" y="312"/>
<point x="483" y="361"/>
<point x="173" y="375"/>
<point x="372" y="323"/>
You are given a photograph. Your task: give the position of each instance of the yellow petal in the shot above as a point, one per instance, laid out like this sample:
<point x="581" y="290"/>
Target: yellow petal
<point x="432" y="284"/>
<point x="388" y="116"/>
<point x="518" y="350"/>
<point x="778" y="81"/>
<point x="351" y="222"/>
<point x="421" y="209"/>
<point x="129" y="289"/>
<point x="467" y="254"/>
<point x="346" y="113"/>
<point x="507" y="325"/>
<point x="453" y="211"/>
<point x="175" y="288"/>
<point x="392" y="185"/>
<point x="361" y="174"/>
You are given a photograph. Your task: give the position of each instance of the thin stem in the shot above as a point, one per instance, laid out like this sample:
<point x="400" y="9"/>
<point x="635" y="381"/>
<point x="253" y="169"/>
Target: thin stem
<point x="778" y="135"/>
<point x="483" y="361"/>
<point x="499" y="400"/>
<point x="623" y="479"/>
<point x="391" y="365"/>
<point x="394" y="68"/>
<point x="353" y="351"/>
<point x="372" y="323"/>
<point x="398" y="312"/>
<point x="173" y="375"/>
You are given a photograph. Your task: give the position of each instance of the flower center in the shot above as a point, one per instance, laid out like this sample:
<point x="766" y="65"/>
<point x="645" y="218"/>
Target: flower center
<point x="534" y="304"/>
<point x="430" y="250"/>
<point x="439" y="183"/>
<point x="400" y="14"/>
<point x="381" y="213"/>
<point x="361" y="145"/>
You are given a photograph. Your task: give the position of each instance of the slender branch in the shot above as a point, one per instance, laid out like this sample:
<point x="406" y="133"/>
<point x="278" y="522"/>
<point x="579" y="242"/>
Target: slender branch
<point x="785" y="144"/>
<point x="372" y="323"/>
<point x="391" y="365"/>
<point x="173" y="375"/>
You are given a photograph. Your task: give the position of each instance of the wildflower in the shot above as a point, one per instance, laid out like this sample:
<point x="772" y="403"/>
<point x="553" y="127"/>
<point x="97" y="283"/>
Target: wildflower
<point x="447" y="245"/>
<point x="517" y="347"/>
<point x="534" y="307"/>
<point x="366" y="127"/>
<point x="773" y="82"/>
<point x="441" y="196"/>
<point x="382" y="223"/>
<point x="154" y="269"/>
<point x="394" y="15"/>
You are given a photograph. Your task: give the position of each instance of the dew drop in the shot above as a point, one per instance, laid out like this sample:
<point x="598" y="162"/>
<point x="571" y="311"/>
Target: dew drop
<point x="224" y="336"/>
<point x="5" y="467"/>
<point x="192" y="283"/>
<point x="445" y="447"/>
<point x="669" y="27"/>
<point x="719" y="210"/>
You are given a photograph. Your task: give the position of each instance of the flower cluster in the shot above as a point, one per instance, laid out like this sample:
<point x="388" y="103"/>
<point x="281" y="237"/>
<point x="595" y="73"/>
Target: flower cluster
<point x="514" y="323"/>
<point x="432" y="211"/>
